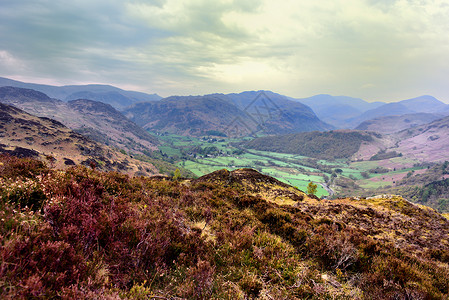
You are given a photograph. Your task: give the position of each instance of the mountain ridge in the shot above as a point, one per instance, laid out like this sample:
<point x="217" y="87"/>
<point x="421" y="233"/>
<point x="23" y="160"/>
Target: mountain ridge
<point x="104" y="93"/>
<point x="391" y="124"/>
<point x="52" y="141"/>
<point x="228" y="114"/>
<point x="96" y="119"/>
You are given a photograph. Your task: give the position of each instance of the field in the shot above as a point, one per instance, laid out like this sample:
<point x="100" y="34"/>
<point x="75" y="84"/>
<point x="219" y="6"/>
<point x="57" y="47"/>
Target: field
<point x="277" y="169"/>
<point x="205" y="155"/>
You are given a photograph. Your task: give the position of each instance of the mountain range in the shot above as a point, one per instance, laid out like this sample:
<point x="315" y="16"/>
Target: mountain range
<point x="114" y="96"/>
<point x="336" y="110"/>
<point x="260" y="111"/>
<point x="347" y="112"/>
<point x="423" y="104"/>
<point x="233" y="115"/>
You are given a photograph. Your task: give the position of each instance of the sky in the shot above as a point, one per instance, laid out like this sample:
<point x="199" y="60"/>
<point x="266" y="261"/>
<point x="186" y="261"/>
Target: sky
<point x="382" y="50"/>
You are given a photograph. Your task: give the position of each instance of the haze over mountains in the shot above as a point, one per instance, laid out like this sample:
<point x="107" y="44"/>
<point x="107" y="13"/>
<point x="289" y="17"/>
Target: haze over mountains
<point x="238" y="115"/>
<point x="320" y="112"/>
<point x="347" y="112"/>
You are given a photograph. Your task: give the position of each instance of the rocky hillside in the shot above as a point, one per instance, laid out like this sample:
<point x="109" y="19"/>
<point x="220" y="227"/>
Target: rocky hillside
<point x="25" y="135"/>
<point x="96" y="120"/>
<point x="234" y="115"/>
<point x="85" y="234"/>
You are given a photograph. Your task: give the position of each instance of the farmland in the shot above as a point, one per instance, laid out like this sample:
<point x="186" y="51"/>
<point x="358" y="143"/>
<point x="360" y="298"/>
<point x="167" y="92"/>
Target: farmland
<point x="205" y="155"/>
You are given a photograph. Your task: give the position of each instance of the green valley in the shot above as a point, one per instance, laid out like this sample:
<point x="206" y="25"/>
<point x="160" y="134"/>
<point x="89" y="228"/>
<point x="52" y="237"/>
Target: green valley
<point x="335" y="178"/>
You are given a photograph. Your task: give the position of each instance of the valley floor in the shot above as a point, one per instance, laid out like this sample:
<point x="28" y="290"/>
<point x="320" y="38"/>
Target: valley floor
<point x="344" y="176"/>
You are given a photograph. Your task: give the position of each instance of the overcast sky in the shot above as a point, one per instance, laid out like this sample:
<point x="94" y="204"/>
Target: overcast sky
<point x="377" y="50"/>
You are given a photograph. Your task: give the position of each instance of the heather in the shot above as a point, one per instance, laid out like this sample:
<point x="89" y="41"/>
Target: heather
<point x="86" y="234"/>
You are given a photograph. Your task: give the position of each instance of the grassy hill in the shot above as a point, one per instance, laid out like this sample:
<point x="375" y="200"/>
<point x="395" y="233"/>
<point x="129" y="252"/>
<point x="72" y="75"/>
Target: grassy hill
<point x="324" y="145"/>
<point x="82" y="233"/>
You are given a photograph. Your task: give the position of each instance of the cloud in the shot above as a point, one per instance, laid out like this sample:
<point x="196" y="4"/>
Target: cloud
<point x="377" y="50"/>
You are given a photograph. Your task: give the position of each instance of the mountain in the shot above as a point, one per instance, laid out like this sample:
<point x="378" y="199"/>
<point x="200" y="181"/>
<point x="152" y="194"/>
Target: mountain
<point x="192" y="115"/>
<point x="327" y="145"/>
<point x="25" y="135"/>
<point x="116" y="97"/>
<point x="426" y="104"/>
<point x="392" y="124"/>
<point x="423" y="104"/>
<point x="347" y="112"/>
<point x="85" y="234"/>
<point x="97" y="120"/>
<point x="336" y="110"/>
<point x="234" y="115"/>
<point x="389" y="109"/>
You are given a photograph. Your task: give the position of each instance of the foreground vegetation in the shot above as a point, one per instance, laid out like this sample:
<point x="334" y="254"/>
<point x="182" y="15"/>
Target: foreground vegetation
<point x="82" y="233"/>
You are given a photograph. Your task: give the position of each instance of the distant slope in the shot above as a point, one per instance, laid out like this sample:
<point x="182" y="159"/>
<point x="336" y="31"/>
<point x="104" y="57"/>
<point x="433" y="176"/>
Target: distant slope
<point x="423" y="104"/>
<point x="106" y="120"/>
<point x="116" y="97"/>
<point x="347" y="112"/>
<point x="98" y="120"/>
<point x="336" y="110"/>
<point x="392" y="124"/>
<point x="323" y="145"/>
<point x="389" y="109"/>
<point x="25" y="135"/>
<point x="234" y="115"/>
<point x="426" y="104"/>
<point x="429" y="142"/>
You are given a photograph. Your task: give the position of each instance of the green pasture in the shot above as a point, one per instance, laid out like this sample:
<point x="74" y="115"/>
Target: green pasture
<point x="285" y="167"/>
<point x="368" y="184"/>
<point x="280" y="170"/>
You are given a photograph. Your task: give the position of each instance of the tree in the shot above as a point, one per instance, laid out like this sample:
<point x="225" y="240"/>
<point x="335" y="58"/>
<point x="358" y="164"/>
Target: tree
<point x="177" y="174"/>
<point x="311" y="188"/>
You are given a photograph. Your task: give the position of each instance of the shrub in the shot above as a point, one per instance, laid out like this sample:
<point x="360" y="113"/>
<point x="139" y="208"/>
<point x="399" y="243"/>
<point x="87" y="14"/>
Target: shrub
<point x="13" y="167"/>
